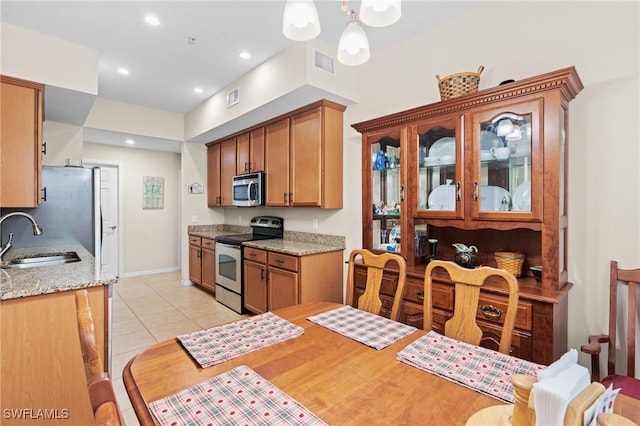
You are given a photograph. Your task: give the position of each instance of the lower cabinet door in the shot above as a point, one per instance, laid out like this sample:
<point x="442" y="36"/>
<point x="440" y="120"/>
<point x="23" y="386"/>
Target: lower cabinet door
<point x="195" y="264"/>
<point x="255" y="287"/>
<point x="283" y="288"/>
<point x="209" y="269"/>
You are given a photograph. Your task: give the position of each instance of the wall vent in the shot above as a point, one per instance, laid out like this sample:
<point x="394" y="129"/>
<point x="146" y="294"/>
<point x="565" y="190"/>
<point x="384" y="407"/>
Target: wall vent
<point x="233" y="97"/>
<point x="324" y="62"/>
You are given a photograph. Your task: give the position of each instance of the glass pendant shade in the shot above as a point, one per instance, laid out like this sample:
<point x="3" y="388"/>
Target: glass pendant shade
<point x="380" y="13"/>
<point x="353" y="48"/>
<point x="300" y="21"/>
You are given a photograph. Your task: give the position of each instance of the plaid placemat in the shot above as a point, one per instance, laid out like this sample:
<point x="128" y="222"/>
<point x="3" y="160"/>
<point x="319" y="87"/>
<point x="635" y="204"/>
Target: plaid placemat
<point x="218" y="344"/>
<point x="238" y="397"/>
<point x="475" y="367"/>
<point x="364" y="327"/>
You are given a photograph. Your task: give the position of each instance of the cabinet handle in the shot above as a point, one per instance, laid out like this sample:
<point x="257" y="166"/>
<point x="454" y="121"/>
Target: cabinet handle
<point x="279" y="261"/>
<point x="252" y="255"/>
<point x="458" y="191"/>
<point x="246" y="166"/>
<point x="44" y="148"/>
<point x="44" y="193"/>
<point x="475" y="190"/>
<point x="291" y="198"/>
<point x="420" y="294"/>
<point x="219" y="198"/>
<point x="285" y="197"/>
<point x="401" y="193"/>
<point x="491" y="312"/>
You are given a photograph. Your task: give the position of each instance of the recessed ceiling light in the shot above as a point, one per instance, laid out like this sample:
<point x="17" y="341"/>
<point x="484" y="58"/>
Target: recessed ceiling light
<point x="245" y="55"/>
<point x="123" y="71"/>
<point x="151" y="20"/>
<point x="130" y="142"/>
<point x="198" y="90"/>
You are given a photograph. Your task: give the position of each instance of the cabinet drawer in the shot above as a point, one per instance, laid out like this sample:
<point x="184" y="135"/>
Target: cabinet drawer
<point x="521" y="342"/>
<point x="441" y="294"/>
<point x="195" y="241"/>
<point x="283" y="261"/>
<point x="208" y="244"/>
<point x="255" y="255"/>
<point x="523" y="315"/>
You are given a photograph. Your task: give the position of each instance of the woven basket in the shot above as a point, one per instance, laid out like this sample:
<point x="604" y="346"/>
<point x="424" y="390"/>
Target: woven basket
<point x="459" y="84"/>
<point x="510" y="261"/>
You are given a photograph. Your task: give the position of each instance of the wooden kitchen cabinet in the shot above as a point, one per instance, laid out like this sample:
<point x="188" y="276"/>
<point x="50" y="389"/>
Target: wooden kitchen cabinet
<point x="487" y="169"/>
<point x="275" y="280"/>
<point x="250" y="151"/>
<point x="20" y="142"/>
<point x="302" y="157"/>
<point x="214" y="196"/>
<point x="42" y="366"/>
<point x="202" y="262"/>
<point x="221" y="168"/>
<point x="277" y="170"/>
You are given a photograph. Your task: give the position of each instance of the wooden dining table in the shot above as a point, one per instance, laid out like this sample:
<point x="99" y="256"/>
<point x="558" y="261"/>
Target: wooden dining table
<point x="340" y="380"/>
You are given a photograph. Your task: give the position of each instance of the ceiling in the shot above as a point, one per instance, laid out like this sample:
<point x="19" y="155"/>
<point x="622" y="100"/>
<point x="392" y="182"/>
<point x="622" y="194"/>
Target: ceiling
<point x="165" y="66"/>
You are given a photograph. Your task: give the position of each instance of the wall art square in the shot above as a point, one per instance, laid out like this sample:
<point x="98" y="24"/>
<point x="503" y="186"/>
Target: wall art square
<point x="152" y="192"/>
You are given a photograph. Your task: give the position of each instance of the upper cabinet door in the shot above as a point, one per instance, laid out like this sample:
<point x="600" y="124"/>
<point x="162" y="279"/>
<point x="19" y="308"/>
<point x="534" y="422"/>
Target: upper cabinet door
<point x="256" y="152"/>
<point x="507" y="160"/>
<point x="242" y="154"/>
<point x="306" y="159"/>
<point x="214" y="198"/>
<point x="20" y="143"/>
<point x="440" y="168"/>
<point x="277" y="163"/>
<point x="227" y="170"/>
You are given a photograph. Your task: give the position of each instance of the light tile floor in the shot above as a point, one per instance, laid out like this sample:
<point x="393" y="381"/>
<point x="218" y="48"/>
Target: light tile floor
<point x="153" y="308"/>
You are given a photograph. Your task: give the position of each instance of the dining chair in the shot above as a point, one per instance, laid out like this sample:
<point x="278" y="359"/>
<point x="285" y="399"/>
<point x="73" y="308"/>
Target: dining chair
<point x="621" y="303"/>
<point x="370" y="300"/>
<point x="99" y="384"/>
<point x="462" y="325"/>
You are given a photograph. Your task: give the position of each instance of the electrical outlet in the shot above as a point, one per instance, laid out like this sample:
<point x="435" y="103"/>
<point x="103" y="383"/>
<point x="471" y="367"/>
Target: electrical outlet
<point x="315" y="224"/>
<point x="194" y="218"/>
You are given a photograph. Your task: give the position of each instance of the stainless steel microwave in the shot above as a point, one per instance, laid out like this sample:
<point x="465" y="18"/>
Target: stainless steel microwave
<point x="248" y="190"/>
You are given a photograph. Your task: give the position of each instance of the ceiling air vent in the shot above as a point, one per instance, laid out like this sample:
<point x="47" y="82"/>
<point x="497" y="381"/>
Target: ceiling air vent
<point x="233" y="97"/>
<point x="324" y="62"/>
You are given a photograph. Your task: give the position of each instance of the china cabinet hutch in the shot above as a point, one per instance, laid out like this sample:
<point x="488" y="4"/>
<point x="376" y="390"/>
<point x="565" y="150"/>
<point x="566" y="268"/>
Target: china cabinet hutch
<point x="487" y="169"/>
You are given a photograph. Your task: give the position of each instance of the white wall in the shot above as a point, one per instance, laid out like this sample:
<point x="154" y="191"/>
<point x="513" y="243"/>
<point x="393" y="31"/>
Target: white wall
<point x="33" y="56"/>
<point x="151" y="237"/>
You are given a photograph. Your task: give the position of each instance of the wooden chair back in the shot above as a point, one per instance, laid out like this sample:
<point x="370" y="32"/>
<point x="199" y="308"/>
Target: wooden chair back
<point x="463" y="326"/>
<point x="99" y="385"/>
<point x="618" y="278"/>
<point x="370" y="300"/>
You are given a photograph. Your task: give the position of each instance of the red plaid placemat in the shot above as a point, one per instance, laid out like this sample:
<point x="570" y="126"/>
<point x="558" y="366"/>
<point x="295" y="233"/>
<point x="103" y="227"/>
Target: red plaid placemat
<point x="472" y="366"/>
<point x="238" y="397"/>
<point x="364" y="327"/>
<point x="218" y="344"/>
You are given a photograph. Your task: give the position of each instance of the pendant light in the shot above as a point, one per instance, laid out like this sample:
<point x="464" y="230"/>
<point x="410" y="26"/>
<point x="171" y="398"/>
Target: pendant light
<point x="380" y="13"/>
<point x="300" y="21"/>
<point x="353" y="48"/>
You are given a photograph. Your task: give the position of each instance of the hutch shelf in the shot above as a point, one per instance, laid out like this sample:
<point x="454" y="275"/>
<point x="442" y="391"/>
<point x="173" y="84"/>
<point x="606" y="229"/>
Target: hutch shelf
<point x="487" y="169"/>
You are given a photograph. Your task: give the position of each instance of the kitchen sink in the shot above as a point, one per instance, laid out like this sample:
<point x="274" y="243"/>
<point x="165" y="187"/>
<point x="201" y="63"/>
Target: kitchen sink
<point x="47" y="259"/>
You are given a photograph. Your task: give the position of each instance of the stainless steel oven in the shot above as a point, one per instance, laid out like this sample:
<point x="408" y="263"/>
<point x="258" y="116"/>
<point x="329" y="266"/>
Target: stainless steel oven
<point x="229" y="275"/>
<point x="229" y="259"/>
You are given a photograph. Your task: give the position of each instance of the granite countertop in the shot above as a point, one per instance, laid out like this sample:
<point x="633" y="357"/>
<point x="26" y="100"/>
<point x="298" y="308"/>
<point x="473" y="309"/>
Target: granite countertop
<point x="294" y="243"/>
<point x="294" y="247"/>
<point x="25" y="282"/>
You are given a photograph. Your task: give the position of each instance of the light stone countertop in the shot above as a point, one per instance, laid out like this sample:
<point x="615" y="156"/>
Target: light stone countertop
<point x="25" y="282"/>
<point x="294" y="243"/>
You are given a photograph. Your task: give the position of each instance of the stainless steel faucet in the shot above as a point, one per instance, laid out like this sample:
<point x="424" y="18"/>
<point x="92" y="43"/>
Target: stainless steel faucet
<point x="36" y="229"/>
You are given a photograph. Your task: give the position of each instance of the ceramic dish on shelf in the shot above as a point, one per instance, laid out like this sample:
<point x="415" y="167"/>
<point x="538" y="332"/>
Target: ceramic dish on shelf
<point x="442" y="197"/>
<point x="430" y="161"/>
<point x="520" y="148"/>
<point x="522" y="197"/>
<point x="491" y="199"/>
<point x="443" y="146"/>
<point x="489" y="140"/>
<point x="394" y="234"/>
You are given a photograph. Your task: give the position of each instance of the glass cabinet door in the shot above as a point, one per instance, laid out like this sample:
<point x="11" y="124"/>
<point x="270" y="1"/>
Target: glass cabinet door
<point x="438" y="168"/>
<point x="507" y="162"/>
<point x="386" y="195"/>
